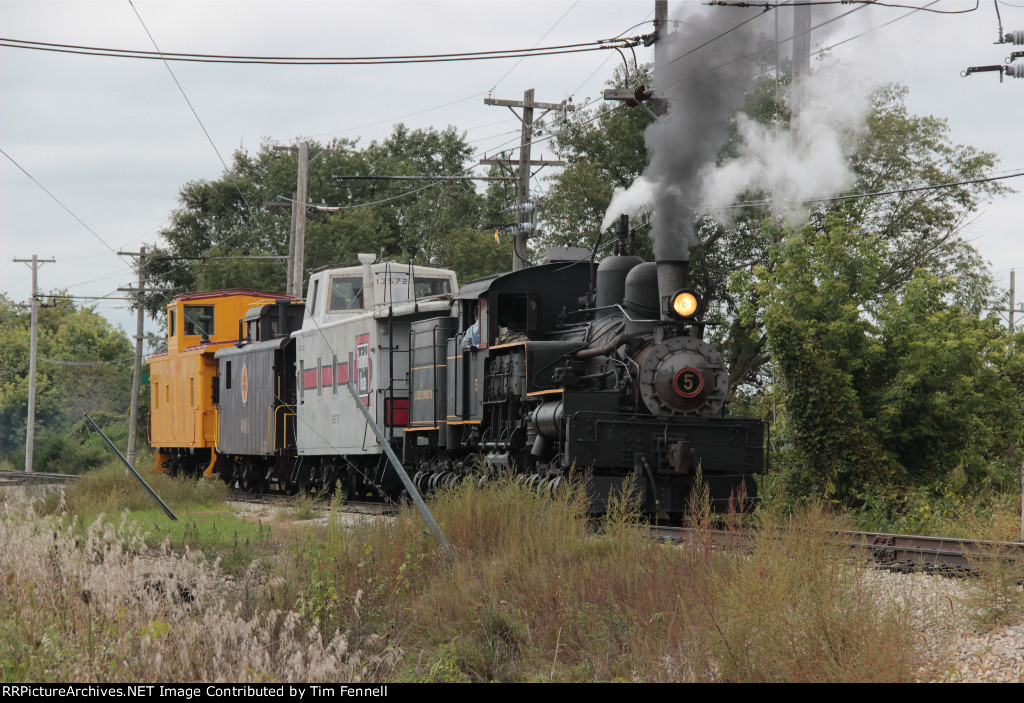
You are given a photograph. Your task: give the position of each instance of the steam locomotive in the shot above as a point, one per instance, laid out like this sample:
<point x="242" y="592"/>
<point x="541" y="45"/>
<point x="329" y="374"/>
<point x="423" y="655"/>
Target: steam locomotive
<point x="561" y="367"/>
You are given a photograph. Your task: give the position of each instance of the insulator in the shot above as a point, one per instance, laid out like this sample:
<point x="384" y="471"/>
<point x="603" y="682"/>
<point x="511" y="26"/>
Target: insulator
<point x="1016" y="37"/>
<point x="1016" y="70"/>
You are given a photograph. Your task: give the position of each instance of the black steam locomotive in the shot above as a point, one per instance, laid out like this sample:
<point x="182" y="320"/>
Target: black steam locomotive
<point x="561" y="367"/>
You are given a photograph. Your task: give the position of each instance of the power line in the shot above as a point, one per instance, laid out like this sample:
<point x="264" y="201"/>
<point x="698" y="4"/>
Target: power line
<point x="337" y="208"/>
<point x="770" y="6"/>
<point x="60" y="362"/>
<point x="516" y="65"/>
<point x="227" y="171"/>
<point x="716" y="38"/>
<point x="56" y="200"/>
<point x="400" y="117"/>
<point x="14" y="370"/>
<point x="872" y="194"/>
<point x="597" y="45"/>
<point x="790" y="38"/>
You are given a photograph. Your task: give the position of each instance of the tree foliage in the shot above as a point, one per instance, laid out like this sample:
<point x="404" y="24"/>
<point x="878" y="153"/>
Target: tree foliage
<point x="422" y="222"/>
<point x="604" y="150"/>
<point x="68" y="337"/>
<point x="860" y="329"/>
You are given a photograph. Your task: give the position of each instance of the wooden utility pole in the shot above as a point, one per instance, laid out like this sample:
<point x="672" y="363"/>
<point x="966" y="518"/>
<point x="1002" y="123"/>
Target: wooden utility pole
<point x="801" y="61"/>
<point x="290" y="289"/>
<point x="525" y="213"/>
<point x="1014" y="308"/>
<point x="1012" y="297"/>
<point x="297" y="242"/>
<point x="299" y="213"/>
<point x="140" y="314"/>
<point x="30" y="432"/>
<point x="523" y="187"/>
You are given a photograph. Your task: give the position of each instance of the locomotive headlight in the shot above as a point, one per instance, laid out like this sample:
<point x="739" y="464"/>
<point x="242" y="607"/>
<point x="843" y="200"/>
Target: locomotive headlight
<point x="685" y="303"/>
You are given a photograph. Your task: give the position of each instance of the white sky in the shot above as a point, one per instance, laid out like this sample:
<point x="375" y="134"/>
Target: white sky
<point x="114" y="140"/>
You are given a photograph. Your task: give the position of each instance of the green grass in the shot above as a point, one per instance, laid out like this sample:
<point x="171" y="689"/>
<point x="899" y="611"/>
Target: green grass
<point x="204" y="523"/>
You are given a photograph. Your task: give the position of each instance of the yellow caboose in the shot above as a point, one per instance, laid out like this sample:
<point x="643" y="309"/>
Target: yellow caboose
<point x="183" y="380"/>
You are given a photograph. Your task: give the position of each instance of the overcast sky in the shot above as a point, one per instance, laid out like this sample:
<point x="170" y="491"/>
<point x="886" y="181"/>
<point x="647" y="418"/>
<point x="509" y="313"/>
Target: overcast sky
<point x="114" y="140"/>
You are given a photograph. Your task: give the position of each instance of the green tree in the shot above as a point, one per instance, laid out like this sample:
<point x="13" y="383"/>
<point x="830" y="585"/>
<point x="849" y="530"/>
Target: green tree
<point x="72" y="376"/>
<point x="604" y="150"/>
<point x="882" y="391"/>
<point x="407" y="221"/>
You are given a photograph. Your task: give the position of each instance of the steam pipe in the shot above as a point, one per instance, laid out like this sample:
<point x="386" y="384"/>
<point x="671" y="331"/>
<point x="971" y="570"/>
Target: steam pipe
<point x="608" y="348"/>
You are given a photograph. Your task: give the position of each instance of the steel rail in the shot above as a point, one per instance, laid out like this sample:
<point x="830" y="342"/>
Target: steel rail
<point x="895" y="551"/>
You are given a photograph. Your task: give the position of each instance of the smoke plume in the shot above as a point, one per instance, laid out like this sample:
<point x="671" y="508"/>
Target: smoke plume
<point x="790" y="167"/>
<point x="705" y="63"/>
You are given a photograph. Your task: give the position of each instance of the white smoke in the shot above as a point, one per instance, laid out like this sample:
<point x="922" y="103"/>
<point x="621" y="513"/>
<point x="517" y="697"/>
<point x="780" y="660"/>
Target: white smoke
<point x="705" y="90"/>
<point x="628" y="201"/>
<point x="788" y="167"/>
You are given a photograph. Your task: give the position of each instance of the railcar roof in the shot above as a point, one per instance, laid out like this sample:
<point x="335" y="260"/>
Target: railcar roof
<point x="476" y="288"/>
<point x="229" y="292"/>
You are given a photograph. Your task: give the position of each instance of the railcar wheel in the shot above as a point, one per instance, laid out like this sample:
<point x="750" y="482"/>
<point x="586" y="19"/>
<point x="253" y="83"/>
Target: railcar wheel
<point x="347" y="488"/>
<point x="252" y="477"/>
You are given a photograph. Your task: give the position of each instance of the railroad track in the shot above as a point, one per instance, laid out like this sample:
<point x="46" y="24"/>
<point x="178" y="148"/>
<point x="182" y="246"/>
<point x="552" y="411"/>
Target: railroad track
<point x="23" y="478"/>
<point x="890" y="551"/>
<point x="278" y="499"/>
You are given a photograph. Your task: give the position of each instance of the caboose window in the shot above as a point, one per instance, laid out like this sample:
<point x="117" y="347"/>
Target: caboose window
<point x="170" y="325"/>
<point x="346" y="294"/>
<point x="429" y="287"/>
<point x="227" y="376"/>
<point x="194" y="325"/>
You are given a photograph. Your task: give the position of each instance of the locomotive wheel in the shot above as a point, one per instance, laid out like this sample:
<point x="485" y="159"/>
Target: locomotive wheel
<point x="347" y="488"/>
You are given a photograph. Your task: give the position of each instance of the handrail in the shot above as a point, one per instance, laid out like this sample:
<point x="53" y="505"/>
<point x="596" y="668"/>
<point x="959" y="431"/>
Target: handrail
<point x="282" y="405"/>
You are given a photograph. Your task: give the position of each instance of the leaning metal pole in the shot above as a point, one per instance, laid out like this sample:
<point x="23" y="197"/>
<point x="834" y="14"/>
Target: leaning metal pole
<point x="145" y="485"/>
<point x="446" y="547"/>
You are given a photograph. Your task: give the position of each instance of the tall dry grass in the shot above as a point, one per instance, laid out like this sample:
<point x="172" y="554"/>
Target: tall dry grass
<point x="533" y="595"/>
<point x="96" y="605"/>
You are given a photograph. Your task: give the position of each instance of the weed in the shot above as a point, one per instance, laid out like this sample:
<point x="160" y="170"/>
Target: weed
<point x="995" y="598"/>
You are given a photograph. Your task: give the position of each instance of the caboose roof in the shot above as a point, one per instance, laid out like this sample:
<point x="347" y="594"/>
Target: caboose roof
<point x="229" y="292"/>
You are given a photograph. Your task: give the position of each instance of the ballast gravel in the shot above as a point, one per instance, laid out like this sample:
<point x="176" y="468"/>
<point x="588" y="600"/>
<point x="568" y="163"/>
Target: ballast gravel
<point x="960" y="650"/>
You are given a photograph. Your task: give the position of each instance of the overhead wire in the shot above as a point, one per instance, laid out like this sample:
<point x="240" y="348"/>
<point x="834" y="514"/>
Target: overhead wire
<point x="516" y="65"/>
<point x="598" y="45"/>
<point x="1016" y="173"/>
<point x="57" y="200"/>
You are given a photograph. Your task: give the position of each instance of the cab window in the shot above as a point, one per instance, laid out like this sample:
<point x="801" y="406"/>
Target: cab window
<point x="429" y="287"/>
<point x="346" y="294"/>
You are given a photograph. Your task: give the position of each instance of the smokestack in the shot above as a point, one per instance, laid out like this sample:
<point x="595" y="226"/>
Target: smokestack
<point x="672" y="276"/>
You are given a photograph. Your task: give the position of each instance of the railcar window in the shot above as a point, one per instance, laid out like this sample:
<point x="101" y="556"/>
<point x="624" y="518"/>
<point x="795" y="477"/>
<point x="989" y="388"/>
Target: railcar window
<point x="193" y="325"/>
<point x="170" y="325"/>
<point x="346" y="294"/>
<point x="427" y="287"/>
<point x="227" y="376"/>
<point x="312" y="298"/>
